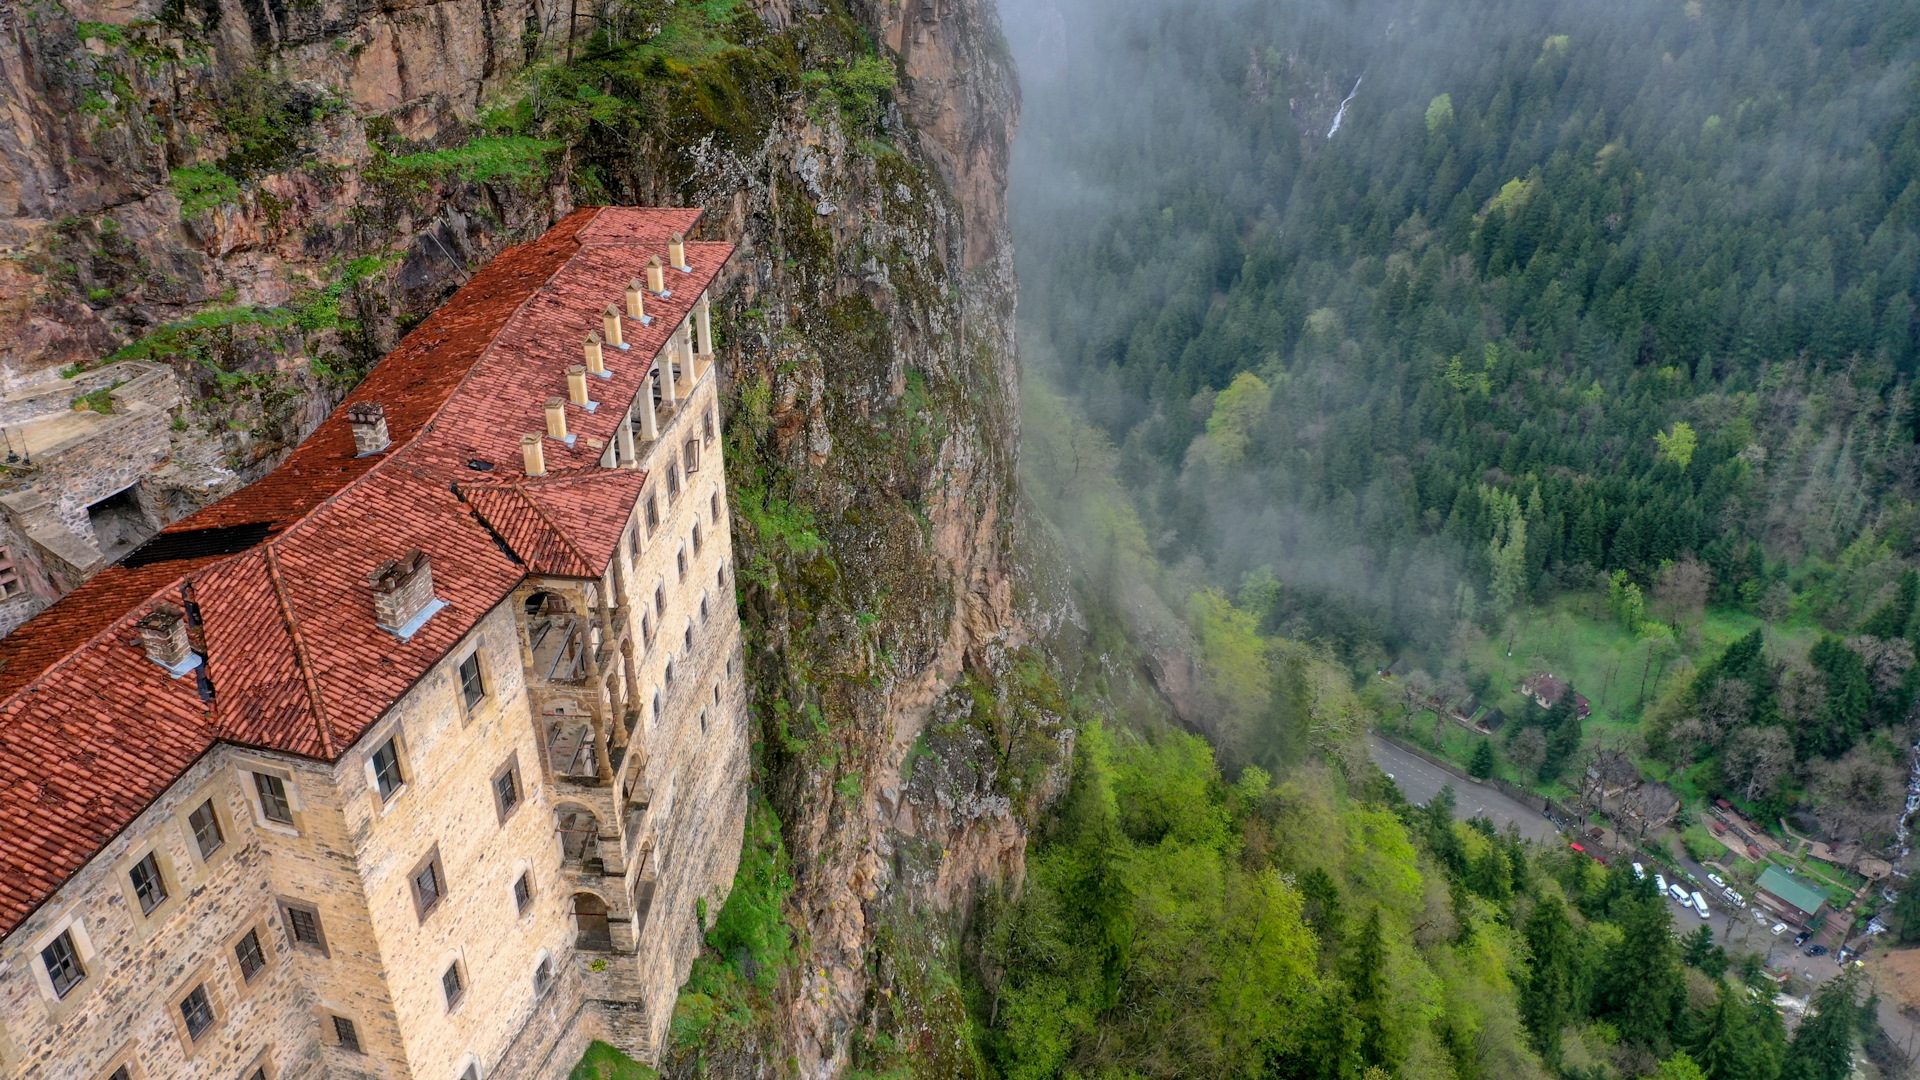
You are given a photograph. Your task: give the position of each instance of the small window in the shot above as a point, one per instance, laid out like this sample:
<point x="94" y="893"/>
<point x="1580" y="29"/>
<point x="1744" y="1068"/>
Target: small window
<point x="253" y="959"/>
<point x="689" y="636"/>
<point x="646" y="628"/>
<point x="660" y="600"/>
<point x="450" y="983"/>
<point x="205" y="824"/>
<point x="197" y="1010"/>
<point x="703" y="719"/>
<point x="709" y="426"/>
<point x="273" y="798"/>
<point x="343" y="1030"/>
<point x="720" y="576"/>
<point x="506" y="790"/>
<point x="653" y="512"/>
<point x="696" y="538"/>
<point x="429" y="885"/>
<point x="303" y="926"/>
<point x="680" y="560"/>
<point x="120" y="1073"/>
<point x="63" y="964"/>
<point x="543" y="976"/>
<point x="703" y="609"/>
<point x="713" y="507"/>
<point x="673" y="480"/>
<point x="656" y="701"/>
<point x="386" y="768"/>
<point x="148" y="886"/>
<point x="693" y="456"/>
<point x="472" y="691"/>
<point x="523" y="891"/>
<point x="716" y="693"/>
<point x="669" y="673"/>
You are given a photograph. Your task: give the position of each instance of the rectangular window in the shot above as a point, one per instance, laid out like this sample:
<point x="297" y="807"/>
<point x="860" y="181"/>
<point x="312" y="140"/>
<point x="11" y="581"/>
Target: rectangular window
<point x="653" y="512"/>
<point x="252" y="958"/>
<point x="205" y="824"/>
<point x="693" y="456"/>
<point x="506" y="790"/>
<point x="273" y="798"/>
<point x="543" y="975"/>
<point x="681" y="561"/>
<point x="386" y="768"/>
<point x="63" y="964"/>
<point x="673" y="480"/>
<point x="660" y="601"/>
<point x="713" y="507"/>
<point x="343" y="1031"/>
<point x="471" y="690"/>
<point x="523" y="891"/>
<point x="303" y="925"/>
<point x="428" y="885"/>
<point x="197" y="1010"/>
<point x="147" y="884"/>
<point x="696" y="538"/>
<point x="709" y="424"/>
<point x="450" y="983"/>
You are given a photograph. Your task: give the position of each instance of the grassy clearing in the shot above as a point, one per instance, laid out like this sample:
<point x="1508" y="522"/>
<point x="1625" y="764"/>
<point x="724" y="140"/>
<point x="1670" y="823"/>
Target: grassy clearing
<point x="604" y="1062"/>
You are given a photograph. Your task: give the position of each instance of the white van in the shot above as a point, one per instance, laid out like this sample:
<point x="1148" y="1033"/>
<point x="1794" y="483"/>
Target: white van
<point x="1678" y="893"/>
<point x="1700" y="906"/>
<point x="1661" y="881"/>
<point x="1639" y="872"/>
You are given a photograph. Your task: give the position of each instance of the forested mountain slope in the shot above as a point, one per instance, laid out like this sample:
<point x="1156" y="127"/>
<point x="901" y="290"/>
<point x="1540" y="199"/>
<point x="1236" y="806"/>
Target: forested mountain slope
<point x="1572" y="289"/>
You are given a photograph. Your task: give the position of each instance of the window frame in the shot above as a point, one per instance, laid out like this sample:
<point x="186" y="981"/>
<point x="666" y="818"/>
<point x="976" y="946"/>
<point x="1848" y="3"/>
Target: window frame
<point x="346" y="1034"/>
<point x="430" y="864"/>
<point x="387" y="770"/>
<point x="476" y="695"/>
<point x="260" y="949"/>
<point x="509" y="771"/>
<point x="181" y="1006"/>
<point x="148" y="866"/>
<point x="75" y="959"/>
<point x="287" y="909"/>
<point x="283" y="798"/>
<point x="457" y="992"/>
<point x="690" y="454"/>
<point x="524" y="904"/>
<point x="212" y="809"/>
<point x="543" y="976"/>
<point x="653" y="511"/>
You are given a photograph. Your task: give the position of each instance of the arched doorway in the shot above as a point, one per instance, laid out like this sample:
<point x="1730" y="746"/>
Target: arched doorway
<point x="592" y="933"/>
<point x="579" y="830"/>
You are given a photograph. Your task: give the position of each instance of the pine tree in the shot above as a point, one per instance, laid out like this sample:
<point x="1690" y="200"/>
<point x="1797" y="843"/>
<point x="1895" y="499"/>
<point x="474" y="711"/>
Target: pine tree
<point x="1696" y="947"/>
<point x="1546" y="998"/>
<point x="1906" y="912"/>
<point x="1481" y="767"/>
<point x="1641" y="987"/>
<point x="1823" y="1047"/>
<point x="1364" y="969"/>
<point x="1891" y="620"/>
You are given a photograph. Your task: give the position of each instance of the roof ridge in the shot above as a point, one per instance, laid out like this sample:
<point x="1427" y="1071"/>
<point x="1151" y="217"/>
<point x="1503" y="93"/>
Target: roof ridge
<point x="300" y="656"/>
<point x="555" y="526"/>
<point x="107" y="631"/>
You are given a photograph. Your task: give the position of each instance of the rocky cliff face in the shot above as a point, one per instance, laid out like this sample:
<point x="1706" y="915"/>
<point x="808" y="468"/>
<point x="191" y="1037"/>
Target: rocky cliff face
<point x="265" y="195"/>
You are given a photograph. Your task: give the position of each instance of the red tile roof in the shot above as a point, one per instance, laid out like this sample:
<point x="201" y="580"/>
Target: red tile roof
<point x="91" y="731"/>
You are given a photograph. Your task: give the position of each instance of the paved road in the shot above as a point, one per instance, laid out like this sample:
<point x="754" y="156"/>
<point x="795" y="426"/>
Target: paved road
<point x="1420" y="780"/>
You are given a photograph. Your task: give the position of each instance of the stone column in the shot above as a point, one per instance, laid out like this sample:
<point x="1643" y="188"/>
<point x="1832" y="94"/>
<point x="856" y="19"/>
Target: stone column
<point x="669" y="394"/>
<point x="704" y="322"/>
<point x="649" y="422"/>
<point x="623" y="436"/>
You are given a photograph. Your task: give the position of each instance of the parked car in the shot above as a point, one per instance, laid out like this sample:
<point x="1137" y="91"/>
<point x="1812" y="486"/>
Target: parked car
<point x="1660" y="880"/>
<point x="1779" y="928"/>
<point x="1816" y="950"/>
<point x="1717" y="882"/>
<point x="1639" y="873"/>
<point x="1700" y="906"/>
<point x="1736" y="899"/>
<point x="1801" y="937"/>
<point x="1679" y="894"/>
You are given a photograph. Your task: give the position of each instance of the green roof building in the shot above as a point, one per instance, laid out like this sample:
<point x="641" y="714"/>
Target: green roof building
<point x="1796" y="901"/>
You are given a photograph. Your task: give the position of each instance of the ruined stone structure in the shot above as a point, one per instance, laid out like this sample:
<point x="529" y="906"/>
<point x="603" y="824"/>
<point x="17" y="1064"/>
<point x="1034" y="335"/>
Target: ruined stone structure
<point x="417" y="757"/>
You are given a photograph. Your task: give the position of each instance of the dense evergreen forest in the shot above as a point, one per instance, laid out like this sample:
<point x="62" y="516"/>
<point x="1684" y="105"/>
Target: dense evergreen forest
<point x="1572" y="289"/>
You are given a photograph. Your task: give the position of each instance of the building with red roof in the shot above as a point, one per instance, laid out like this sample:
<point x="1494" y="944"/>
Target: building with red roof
<point x="416" y="756"/>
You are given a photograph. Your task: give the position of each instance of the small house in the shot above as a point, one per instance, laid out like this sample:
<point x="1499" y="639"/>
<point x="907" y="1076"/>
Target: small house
<point x="1797" y="902"/>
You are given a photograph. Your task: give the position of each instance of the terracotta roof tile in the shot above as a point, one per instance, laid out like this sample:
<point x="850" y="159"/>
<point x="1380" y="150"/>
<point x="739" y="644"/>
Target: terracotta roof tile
<point x="92" y="731"/>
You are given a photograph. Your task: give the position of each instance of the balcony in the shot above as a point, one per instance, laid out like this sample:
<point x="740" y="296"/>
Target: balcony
<point x="560" y="643"/>
<point x="573" y="754"/>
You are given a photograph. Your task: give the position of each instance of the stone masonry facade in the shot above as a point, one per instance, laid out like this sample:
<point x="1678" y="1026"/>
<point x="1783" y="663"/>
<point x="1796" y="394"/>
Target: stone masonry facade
<point x="467" y="845"/>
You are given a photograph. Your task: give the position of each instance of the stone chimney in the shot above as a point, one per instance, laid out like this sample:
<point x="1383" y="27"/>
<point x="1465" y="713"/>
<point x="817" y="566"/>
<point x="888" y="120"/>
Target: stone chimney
<point x="636" y="303"/>
<point x="656" y="277"/>
<point x="557" y="418"/>
<point x="369" y="421"/>
<point x="677" y="252"/>
<point x="402" y="589"/>
<point x="610" y="323"/>
<point x="163" y="633"/>
<point x="596" y="359"/>
<point x="577" y="385"/>
<point x="533" y="455"/>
